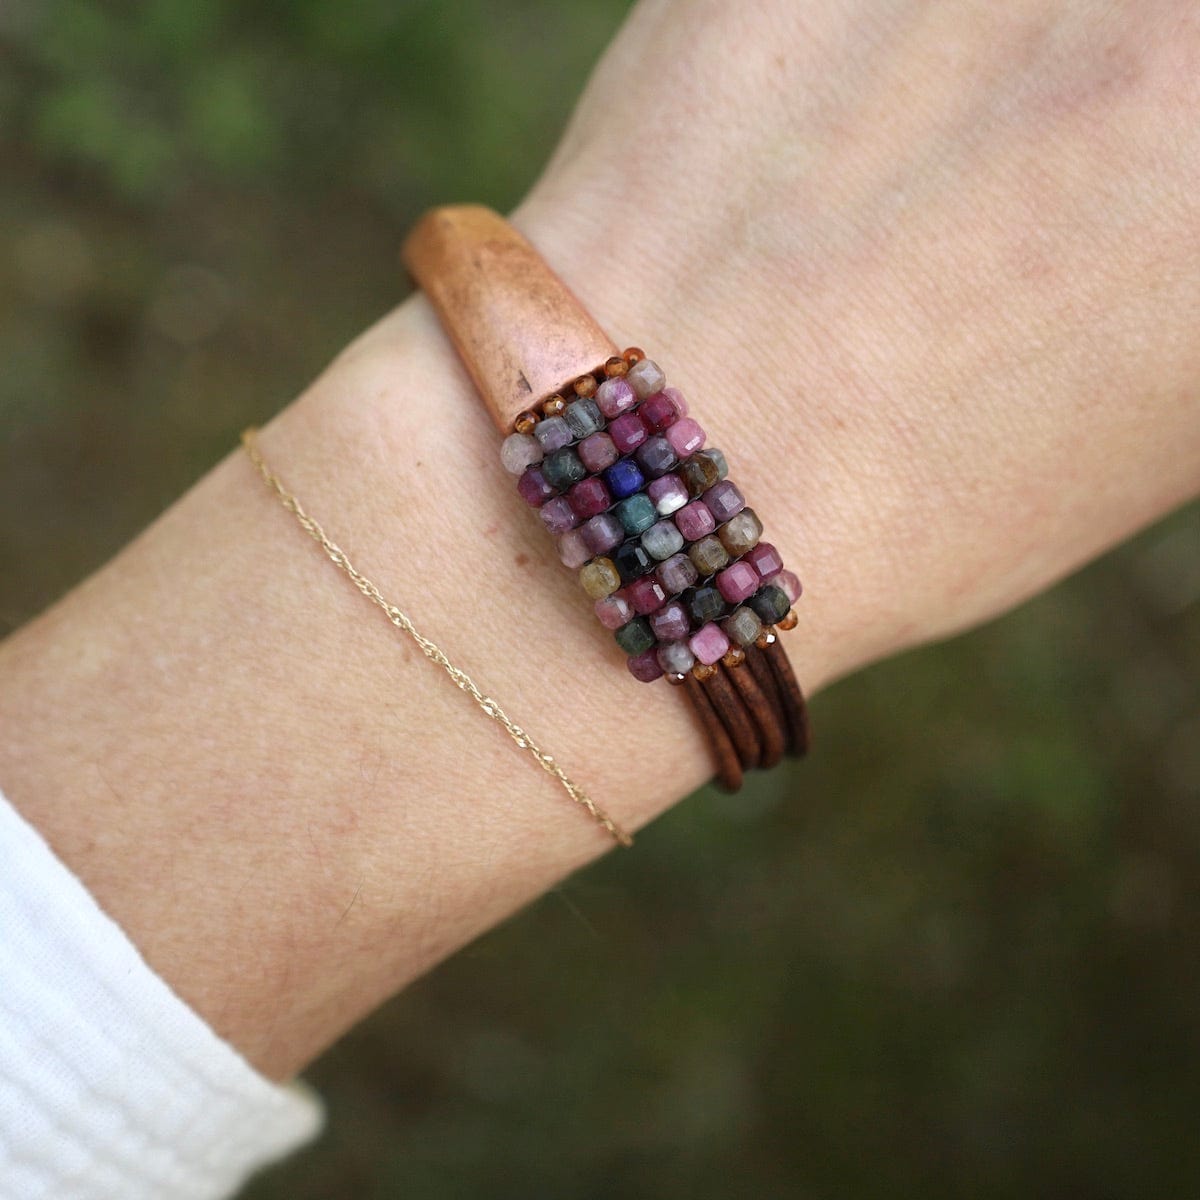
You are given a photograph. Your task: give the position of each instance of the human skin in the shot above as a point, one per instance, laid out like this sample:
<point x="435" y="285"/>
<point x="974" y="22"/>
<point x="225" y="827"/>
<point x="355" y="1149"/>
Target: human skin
<point x="927" y="272"/>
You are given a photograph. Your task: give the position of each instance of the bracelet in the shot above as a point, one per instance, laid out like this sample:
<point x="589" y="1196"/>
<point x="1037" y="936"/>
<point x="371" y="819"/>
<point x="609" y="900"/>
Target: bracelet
<point x="618" y="471"/>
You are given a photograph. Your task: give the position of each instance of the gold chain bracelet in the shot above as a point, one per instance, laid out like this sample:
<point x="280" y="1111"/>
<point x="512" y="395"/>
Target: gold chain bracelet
<point x="491" y="707"/>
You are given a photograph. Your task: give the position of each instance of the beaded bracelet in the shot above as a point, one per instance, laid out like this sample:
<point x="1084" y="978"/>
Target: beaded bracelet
<point x="618" y="471"/>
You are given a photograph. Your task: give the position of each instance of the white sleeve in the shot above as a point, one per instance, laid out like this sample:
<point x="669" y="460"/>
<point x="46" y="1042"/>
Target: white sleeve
<point x="111" y="1088"/>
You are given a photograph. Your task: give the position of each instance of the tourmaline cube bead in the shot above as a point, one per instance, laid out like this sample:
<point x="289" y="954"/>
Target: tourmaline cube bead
<point x="738" y="582"/>
<point x="789" y="581"/>
<point x="709" y="644"/>
<point x="553" y="433"/>
<point x="676" y="658"/>
<point x="615" y="396"/>
<point x="677" y="574"/>
<point x="717" y="457"/>
<point x="518" y="451"/>
<point x="662" y="540"/>
<point x="583" y="416"/>
<point x="645" y="378"/>
<point x="646" y="595"/>
<point x="770" y="604"/>
<point x="614" y="611"/>
<point x="695" y="521"/>
<point x="601" y="534"/>
<point x="533" y="488"/>
<point x="589" y="497"/>
<point x="628" y="432"/>
<point x="655" y="456"/>
<point x="699" y="473"/>
<point x="624" y="478"/>
<point x="671" y="622"/>
<point x="635" y="636"/>
<point x="724" y="500"/>
<point x="668" y="494"/>
<point x="572" y="549"/>
<point x="743" y="626"/>
<point x="636" y="513"/>
<point x="708" y="555"/>
<point x="659" y="411"/>
<point x="705" y="604"/>
<point x="562" y="468"/>
<point x="766" y="560"/>
<point x="685" y="436"/>
<point x="676" y="398"/>
<point x="645" y="667"/>
<point x="631" y="562"/>
<point x="597" y="452"/>
<point x="600" y="578"/>
<point x="740" y="533"/>
<point x="558" y="515"/>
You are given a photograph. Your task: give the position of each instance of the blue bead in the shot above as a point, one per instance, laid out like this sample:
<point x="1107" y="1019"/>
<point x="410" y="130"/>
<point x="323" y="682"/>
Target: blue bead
<point x="624" y="478"/>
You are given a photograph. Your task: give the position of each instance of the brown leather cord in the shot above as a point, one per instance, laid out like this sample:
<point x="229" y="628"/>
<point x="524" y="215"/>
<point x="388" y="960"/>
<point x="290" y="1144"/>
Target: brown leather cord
<point x="763" y="711"/>
<point x="794" y="708"/>
<point x="741" y="727"/>
<point x="729" y="767"/>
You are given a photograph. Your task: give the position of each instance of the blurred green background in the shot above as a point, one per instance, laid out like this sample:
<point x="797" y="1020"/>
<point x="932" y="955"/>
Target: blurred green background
<point x="956" y="954"/>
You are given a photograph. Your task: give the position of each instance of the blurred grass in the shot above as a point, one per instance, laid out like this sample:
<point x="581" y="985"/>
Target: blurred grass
<point x="953" y="955"/>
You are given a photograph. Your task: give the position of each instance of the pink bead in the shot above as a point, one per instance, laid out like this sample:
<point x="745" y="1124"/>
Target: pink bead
<point x="685" y="437"/>
<point x="589" y="497"/>
<point x="628" y="432"/>
<point x="670" y="623"/>
<point x="602" y="533"/>
<point x="669" y="494"/>
<point x="724" y="500"/>
<point x="790" y="582"/>
<point x="676" y="398"/>
<point x="533" y="488"/>
<point x="614" y="611"/>
<point x="558" y="515"/>
<point x="572" y="549"/>
<point x="709" y="643"/>
<point x="695" y="521"/>
<point x="646" y="594"/>
<point x="644" y="667"/>
<point x="765" y="559"/>
<point x="659" y="411"/>
<point x="615" y="396"/>
<point x="597" y="452"/>
<point x="737" y="582"/>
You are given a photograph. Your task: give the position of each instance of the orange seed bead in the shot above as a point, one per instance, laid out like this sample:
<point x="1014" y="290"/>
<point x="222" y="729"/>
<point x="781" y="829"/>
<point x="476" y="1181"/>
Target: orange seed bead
<point x="633" y="355"/>
<point x="734" y="656"/>
<point x="585" y="386"/>
<point x="790" y="621"/>
<point x="525" y="421"/>
<point x="616" y="367"/>
<point x="554" y="407"/>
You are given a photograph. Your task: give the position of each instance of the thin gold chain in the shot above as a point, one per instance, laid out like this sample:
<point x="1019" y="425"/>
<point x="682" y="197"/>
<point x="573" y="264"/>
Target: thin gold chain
<point x="491" y="708"/>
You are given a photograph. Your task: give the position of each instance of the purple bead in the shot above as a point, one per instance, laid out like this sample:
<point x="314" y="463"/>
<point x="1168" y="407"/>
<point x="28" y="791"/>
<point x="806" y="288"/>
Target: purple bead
<point x="685" y="436"/>
<point x="628" y="432"/>
<point x="597" y="452"/>
<point x="558" y="515"/>
<point x="644" y="667"/>
<point x="659" y="411"/>
<point x="573" y="550"/>
<point x="790" y="582"/>
<point x="676" y="658"/>
<point x="677" y="574"/>
<point x="676" y="398"/>
<point x="669" y="494"/>
<point x="533" y="488"/>
<point x="695" y="521"/>
<point x="615" y="396"/>
<point x="614" y="611"/>
<point x="766" y="560"/>
<point x="724" y="501"/>
<point x="671" y="622"/>
<point x="709" y="643"/>
<point x="656" y="457"/>
<point x="553" y="433"/>
<point x="602" y="533"/>
<point x="589" y="497"/>
<point x="737" y="582"/>
<point x="646" y="595"/>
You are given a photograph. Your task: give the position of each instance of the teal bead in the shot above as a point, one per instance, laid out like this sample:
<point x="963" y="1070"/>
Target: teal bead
<point x="563" y="468"/>
<point x="636" y="513"/>
<point x="636" y="637"/>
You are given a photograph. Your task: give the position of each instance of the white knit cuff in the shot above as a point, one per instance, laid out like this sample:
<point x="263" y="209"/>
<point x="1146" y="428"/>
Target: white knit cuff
<point x="111" y="1088"/>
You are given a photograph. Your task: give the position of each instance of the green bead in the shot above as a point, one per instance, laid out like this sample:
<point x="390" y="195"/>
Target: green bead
<point x="708" y="556"/>
<point x="741" y="533"/>
<point x="636" y="513"/>
<point x="562" y="468"/>
<point x="636" y="637"/>
<point x="770" y="603"/>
